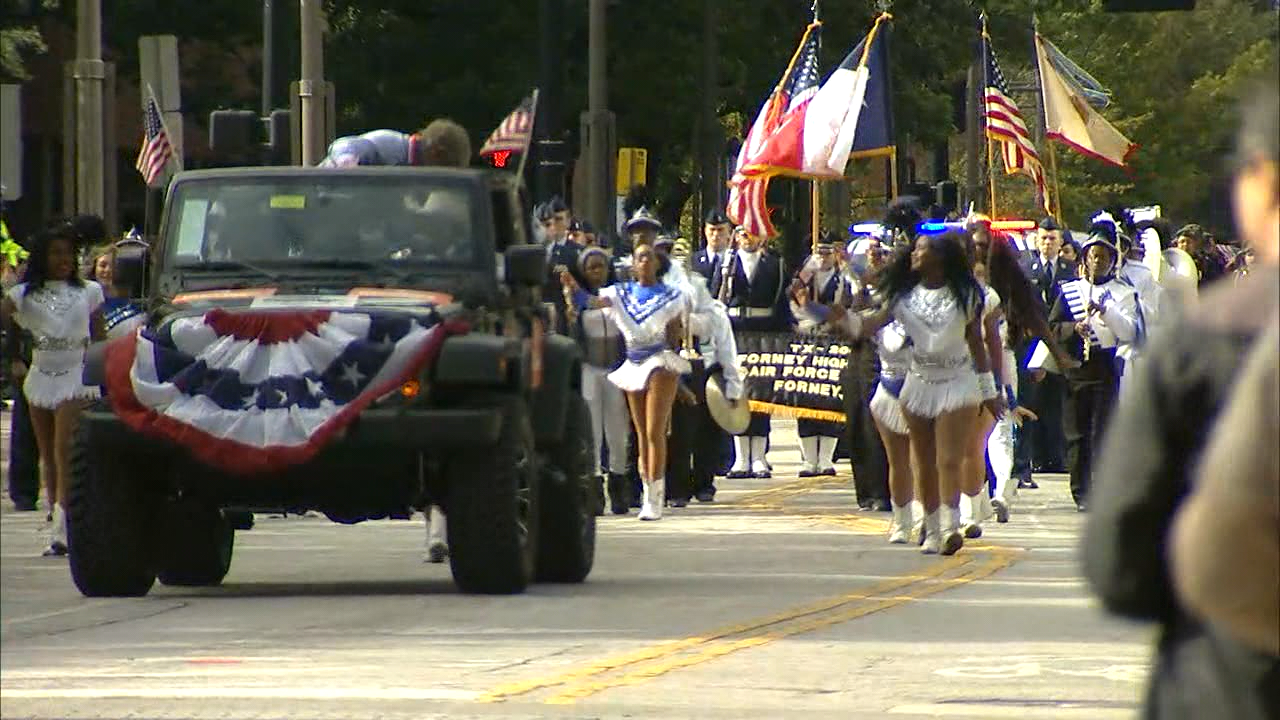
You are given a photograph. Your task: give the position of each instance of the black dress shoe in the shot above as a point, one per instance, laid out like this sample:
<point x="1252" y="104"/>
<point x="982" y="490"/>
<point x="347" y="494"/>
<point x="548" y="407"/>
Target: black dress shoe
<point x="24" y="505"/>
<point x="678" y="502"/>
<point x="762" y="474"/>
<point x="829" y="472"/>
<point x="1027" y="484"/>
<point x="880" y="506"/>
<point x="807" y="473"/>
<point x="705" y="495"/>
<point x="1081" y="506"/>
<point x="738" y="474"/>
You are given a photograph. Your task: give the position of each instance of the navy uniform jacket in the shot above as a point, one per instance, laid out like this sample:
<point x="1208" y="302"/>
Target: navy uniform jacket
<point x="565" y="253"/>
<point x="1035" y="269"/>
<point x="766" y="290"/>
<point x="707" y="264"/>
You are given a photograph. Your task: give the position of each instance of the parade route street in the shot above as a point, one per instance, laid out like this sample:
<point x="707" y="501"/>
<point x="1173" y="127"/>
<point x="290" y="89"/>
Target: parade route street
<point x="779" y="600"/>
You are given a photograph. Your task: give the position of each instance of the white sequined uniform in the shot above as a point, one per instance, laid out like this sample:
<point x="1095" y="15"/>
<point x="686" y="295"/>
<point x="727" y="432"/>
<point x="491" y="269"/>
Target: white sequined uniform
<point x="942" y="377"/>
<point x="57" y="316"/>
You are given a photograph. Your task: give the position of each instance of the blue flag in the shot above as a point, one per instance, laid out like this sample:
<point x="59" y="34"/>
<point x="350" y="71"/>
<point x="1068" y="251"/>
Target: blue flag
<point x="875" y="125"/>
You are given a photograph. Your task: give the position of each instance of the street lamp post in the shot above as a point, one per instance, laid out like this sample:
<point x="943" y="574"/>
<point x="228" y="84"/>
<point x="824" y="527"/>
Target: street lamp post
<point x="90" y="72"/>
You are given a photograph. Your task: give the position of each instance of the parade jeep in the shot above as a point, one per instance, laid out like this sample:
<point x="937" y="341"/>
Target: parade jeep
<point x="358" y="342"/>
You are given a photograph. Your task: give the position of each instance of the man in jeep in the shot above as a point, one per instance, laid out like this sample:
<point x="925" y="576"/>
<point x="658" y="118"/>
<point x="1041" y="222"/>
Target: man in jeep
<point x="444" y="143"/>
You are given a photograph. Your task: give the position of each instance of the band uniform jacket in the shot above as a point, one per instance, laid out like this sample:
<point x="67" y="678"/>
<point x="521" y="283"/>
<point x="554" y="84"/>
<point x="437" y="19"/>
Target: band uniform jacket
<point x="757" y="303"/>
<point x="1046" y="284"/>
<point x="1117" y="326"/>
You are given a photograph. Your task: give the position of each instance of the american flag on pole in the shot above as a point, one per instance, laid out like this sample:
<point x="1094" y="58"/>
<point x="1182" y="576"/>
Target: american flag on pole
<point x="798" y="85"/>
<point x="514" y="133"/>
<point x="156" y="150"/>
<point x="1004" y="125"/>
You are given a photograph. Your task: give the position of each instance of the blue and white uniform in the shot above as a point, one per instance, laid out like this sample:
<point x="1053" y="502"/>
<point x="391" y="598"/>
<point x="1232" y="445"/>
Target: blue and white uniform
<point x="57" y="316"/>
<point x="642" y="313"/>
<point x="894" y="349"/>
<point x="376" y="147"/>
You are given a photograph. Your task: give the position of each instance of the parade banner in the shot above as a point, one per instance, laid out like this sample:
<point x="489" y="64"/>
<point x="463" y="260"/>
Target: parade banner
<point x="794" y="375"/>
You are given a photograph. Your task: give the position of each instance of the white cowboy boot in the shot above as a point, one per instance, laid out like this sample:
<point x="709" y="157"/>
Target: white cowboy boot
<point x="437" y="532"/>
<point x="900" y="525"/>
<point x="951" y="537"/>
<point x="932" y="527"/>
<point x="826" y="455"/>
<point x="654" y="496"/>
<point x="759" y="463"/>
<point x="808" y="456"/>
<point x="970" y="522"/>
<point x="741" y="457"/>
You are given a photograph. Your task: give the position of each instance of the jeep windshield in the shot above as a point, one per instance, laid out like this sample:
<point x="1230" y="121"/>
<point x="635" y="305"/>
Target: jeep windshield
<point x="323" y="223"/>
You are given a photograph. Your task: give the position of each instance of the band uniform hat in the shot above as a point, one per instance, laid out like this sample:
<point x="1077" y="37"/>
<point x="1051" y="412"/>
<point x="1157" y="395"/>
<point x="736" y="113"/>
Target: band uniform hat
<point x="551" y="207"/>
<point x="716" y="216"/>
<point x="1101" y="233"/>
<point x="665" y="240"/>
<point x="642" y="218"/>
<point x="733" y="417"/>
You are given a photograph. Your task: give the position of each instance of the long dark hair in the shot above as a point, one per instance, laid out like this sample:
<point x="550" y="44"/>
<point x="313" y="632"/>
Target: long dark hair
<point x="37" y="273"/>
<point x="898" y="278"/>
<point x="1019" y="299"/>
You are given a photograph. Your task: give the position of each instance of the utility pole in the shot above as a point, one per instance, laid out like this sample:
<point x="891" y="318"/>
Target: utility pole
<point x="597" y="124"/>
<point x="268" y="61"/>
<point x="311" y="87"/>
<point x="711" y="142"/>
<point x="89" y="75"/>
<point x="549" y="175"/>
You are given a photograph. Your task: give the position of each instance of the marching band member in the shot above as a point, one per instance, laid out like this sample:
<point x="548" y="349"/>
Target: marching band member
<point x="751" y="286"/>
<point x="1093" y="315"/>
<point x="820" y="281"/>
<point x="933" y="294"/>
<point x="602" y="352"/>
<point x="712" y="352"/>
<point x="649" y="313"/>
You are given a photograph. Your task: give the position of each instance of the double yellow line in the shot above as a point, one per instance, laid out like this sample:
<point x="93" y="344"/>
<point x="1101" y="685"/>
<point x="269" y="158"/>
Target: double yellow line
<point x="643" y="665"/>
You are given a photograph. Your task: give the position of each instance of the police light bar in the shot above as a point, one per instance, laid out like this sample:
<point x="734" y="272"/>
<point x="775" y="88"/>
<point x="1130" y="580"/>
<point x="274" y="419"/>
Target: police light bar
<point x="935" y="227"/>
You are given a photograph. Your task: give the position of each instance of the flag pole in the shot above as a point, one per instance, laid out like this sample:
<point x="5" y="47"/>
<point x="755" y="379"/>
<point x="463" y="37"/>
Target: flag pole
<point x="893" y="173"/>
<point x="1057" y="192"/>
<point x="813" y="204"/>
<point x="533" y="119"/>
<point x="991" y="176"/>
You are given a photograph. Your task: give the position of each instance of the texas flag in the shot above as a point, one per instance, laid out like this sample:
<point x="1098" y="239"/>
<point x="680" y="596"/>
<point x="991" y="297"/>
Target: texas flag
<point x="815" y="138"/>
<point x="253" y="392"/>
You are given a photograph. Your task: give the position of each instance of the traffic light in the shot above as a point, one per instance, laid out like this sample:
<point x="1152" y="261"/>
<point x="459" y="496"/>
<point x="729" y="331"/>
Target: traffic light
<point x="499" y="158"/>
<point x="1147" y="5"/>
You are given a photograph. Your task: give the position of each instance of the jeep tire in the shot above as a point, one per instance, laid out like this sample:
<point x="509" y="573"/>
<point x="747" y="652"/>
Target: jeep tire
<point x="570" y="496"/>
<point x="196" y="545"/>
<point x="110" y="503"/>
<point x="492" y="507"/>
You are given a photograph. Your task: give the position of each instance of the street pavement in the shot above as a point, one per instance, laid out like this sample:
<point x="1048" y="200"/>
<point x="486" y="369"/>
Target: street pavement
<point x="779" y="600"/>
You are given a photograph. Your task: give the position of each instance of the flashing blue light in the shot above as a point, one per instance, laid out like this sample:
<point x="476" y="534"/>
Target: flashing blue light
<point x="934" y="227"/>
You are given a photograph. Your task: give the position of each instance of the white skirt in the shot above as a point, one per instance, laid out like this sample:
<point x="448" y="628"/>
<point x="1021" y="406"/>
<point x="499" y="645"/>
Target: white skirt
<point x="632" y="376"/>
<point x="887" y="411"/>
<point x="49" y="390"/>
<point x="933" y="397"/>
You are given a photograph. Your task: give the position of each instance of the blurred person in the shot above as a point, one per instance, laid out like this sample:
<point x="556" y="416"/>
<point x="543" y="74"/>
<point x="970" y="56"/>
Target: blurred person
<point x="583" y="234"/>
<point x="1157" y="440"/>
<point x="709" y="261"/>
<point x="62" y="312"/>
<point x="1225" y="554"/>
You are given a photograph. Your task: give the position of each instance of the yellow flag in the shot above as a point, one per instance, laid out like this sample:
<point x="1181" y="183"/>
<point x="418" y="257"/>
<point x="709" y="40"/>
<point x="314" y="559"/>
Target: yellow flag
<point x="1070" y="120"/>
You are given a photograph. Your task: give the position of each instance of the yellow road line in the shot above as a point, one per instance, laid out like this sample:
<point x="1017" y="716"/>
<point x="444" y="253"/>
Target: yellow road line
<point x="721" y="648"/>
<point x="667" y="649"/>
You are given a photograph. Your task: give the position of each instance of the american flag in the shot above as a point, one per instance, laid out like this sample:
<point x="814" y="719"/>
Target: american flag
<point x="156" y="149"/>
<point x="514" y="133"/>
<point x="799" y="83"/>
<point x="1004" y="124"/>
